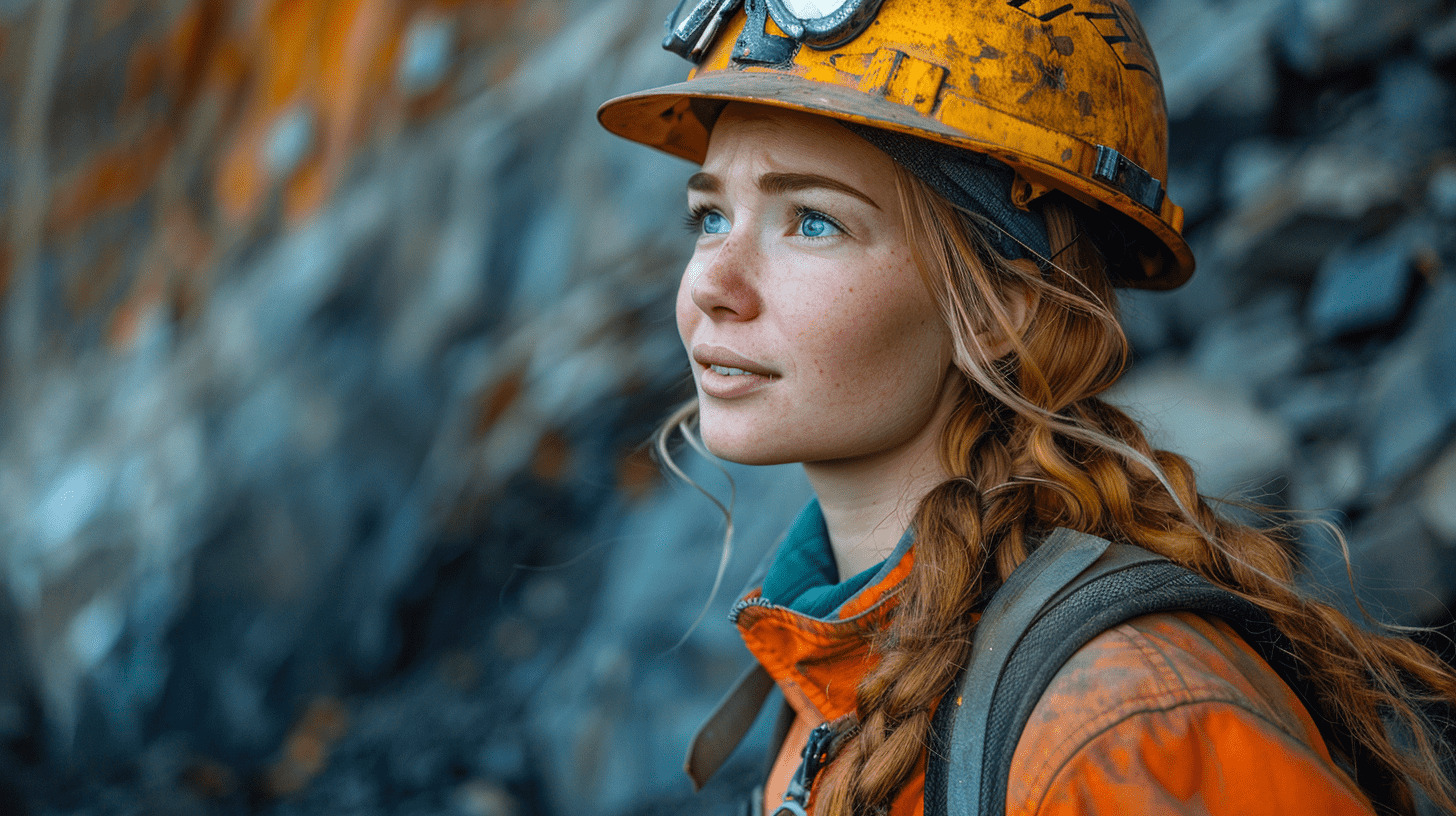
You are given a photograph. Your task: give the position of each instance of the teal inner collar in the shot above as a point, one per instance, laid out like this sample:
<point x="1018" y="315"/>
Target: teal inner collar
<point x="803" y="575"/>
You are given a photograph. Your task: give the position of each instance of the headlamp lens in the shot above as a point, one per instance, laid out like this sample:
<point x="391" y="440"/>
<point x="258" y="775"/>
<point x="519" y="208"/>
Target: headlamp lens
<point x="814" y="9"/>
<point x="694" y="24"/>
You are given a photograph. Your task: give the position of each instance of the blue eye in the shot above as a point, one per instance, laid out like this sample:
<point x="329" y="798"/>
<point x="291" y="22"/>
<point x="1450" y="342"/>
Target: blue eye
<point x="714" y="223"/>
<point x="817" y="225"/>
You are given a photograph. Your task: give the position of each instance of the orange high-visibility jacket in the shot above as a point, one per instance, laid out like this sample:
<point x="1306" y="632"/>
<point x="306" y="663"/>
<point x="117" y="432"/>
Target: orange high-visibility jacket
<point x="1167" y="713"/>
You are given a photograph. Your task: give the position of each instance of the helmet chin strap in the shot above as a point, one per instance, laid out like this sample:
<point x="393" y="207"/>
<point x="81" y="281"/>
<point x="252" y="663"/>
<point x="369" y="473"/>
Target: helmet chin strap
<point x="973" y="182"/>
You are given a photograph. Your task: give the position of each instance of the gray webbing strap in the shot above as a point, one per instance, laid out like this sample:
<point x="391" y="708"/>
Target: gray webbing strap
<point x="1049" y="569"/>
<point x="734" y="715"/>
<point x="726" y="726"/>
<point x="1118" y="557"/>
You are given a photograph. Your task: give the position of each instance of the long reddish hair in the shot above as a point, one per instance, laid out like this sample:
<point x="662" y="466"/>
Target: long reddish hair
<point x="1031" y="447"/>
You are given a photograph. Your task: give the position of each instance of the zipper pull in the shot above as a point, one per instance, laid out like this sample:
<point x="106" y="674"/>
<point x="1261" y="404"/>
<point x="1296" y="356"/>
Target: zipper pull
<point x="816" y="755"/>
<point x="756" y="600"/>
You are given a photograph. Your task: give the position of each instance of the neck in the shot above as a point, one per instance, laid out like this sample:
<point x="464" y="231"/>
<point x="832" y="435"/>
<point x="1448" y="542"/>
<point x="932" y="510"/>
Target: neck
<point x="868" y="502"/>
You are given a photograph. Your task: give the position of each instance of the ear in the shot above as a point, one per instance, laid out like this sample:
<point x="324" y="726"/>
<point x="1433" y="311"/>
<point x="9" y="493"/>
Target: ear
<point x="1017" y="305"/>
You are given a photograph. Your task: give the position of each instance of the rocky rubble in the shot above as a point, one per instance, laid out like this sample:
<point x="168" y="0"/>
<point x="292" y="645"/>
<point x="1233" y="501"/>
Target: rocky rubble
<point x="323" y="478"/>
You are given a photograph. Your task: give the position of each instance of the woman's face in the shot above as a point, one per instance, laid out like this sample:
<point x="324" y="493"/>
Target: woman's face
<point x="811" y="335"/>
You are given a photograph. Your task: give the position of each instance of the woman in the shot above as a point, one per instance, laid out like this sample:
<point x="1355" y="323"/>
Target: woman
<point x="910" y="218"/>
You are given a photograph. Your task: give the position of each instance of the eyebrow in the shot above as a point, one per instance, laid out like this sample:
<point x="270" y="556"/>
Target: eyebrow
<point x="780" y="183"/>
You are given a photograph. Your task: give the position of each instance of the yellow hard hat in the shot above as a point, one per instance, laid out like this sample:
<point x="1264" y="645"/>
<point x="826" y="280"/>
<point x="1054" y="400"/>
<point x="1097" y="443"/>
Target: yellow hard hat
<point x="1065" y="92"/>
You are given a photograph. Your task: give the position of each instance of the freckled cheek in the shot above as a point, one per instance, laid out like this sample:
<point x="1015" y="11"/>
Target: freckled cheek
<point x="817" y="328"/>
<point x="853" y="338"/>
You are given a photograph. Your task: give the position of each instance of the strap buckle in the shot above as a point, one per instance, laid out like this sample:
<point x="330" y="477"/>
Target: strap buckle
<point x="1126" y="177"/>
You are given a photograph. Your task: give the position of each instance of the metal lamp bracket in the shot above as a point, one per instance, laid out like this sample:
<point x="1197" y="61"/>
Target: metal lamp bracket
<point x="1126" y="177"/>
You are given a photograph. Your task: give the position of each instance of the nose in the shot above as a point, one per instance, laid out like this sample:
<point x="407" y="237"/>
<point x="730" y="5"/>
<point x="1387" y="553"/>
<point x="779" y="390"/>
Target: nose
<point x="723" y="282"/>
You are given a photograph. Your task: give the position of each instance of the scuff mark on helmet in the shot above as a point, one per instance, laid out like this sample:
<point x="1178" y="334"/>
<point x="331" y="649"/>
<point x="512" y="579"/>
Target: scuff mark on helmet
<point x="1051" y="76"/>
<point x="1060" y="43"/>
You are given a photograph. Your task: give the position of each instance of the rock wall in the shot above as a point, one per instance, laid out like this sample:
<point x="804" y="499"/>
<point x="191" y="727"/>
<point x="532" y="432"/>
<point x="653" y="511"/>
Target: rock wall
<point x="333" y="333"/>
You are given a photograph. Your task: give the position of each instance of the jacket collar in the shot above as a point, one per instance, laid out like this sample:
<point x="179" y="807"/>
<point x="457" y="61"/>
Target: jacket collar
<point x="799" y="572"/>
<point x="809" y="632"/>
<point x="809" y="635"/>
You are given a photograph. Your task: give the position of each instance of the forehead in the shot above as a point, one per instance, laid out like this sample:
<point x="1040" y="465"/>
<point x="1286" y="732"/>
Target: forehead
<point x="758" y="138"/>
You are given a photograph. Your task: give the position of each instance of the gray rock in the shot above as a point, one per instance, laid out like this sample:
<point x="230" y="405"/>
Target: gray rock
<point x="1194" y="186"/>
<point x="1361" y="288"/>
<point x="1144" y="321"/>
<point x="1330" y="476"/>
<point x="1414" y="105"/>
<point x="1401" y="575"/>
<point x="601" y="716"/>
<point x="1438" y="40"/>
<point x="481" y="798"/>
<point x="1289" y="205"/>
<point x="1408" y="422"/>
<point x="1232" y="443"/>
<point x="289" y="141"/>
<point x="1252" y="347"/>
<point x="1211" y="292"/>
<point x="1204" y="47"/>
<point x="1441" y="191"/>
<point x="1347" y="178"/>
<point x="1322" y="406"/>
<point x="1253" y="166"/>
<point x="1413" y="392"/>
<point x="428" y="52"/>
<point x="1322" y="35"/>
<point x="1438" y="497"/>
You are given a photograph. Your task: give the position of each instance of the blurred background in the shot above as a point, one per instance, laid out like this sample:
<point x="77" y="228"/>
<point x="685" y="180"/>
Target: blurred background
<point x="333" y="331"/>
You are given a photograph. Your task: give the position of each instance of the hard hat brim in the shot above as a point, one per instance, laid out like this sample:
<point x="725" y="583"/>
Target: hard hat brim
<point x="671" y="118"/>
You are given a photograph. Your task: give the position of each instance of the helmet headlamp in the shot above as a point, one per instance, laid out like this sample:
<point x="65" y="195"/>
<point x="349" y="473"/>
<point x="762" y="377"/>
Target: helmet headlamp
<point x="816" y="23"/>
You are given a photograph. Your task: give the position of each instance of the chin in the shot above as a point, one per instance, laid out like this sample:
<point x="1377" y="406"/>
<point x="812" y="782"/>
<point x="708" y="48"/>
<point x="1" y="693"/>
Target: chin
<point x="746" y="446"/>
<point x="771" y="446"/>
<point x="746" y="451"/>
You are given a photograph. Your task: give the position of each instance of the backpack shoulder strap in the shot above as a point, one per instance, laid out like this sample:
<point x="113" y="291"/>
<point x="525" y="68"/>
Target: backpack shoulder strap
<point x="728" y="724"/>
<point x="961" y="718"/>
<point x="1070" y="589"/>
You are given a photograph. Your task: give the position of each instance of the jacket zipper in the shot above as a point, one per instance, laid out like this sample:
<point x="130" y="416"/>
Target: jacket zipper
<point x="816" y="755"/>
<point x="756" y="600"/>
